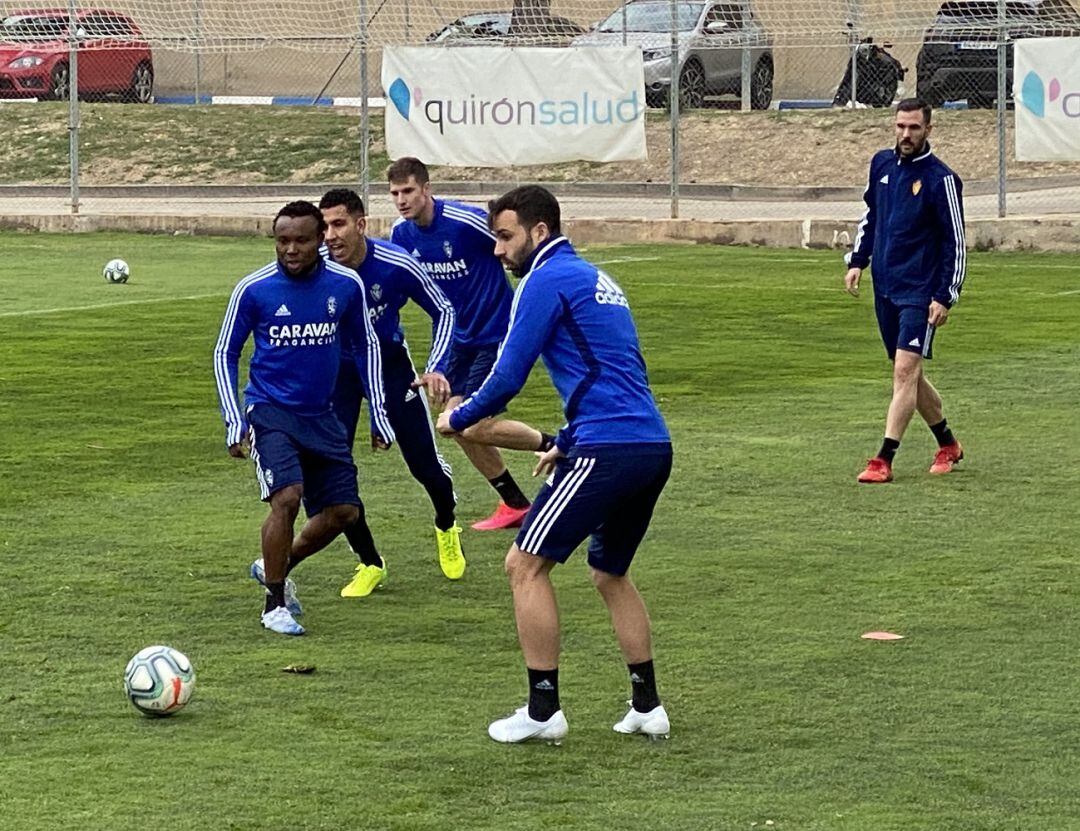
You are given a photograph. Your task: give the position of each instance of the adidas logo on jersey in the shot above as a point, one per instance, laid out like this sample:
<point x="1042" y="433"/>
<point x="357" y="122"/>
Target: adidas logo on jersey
<point x="283" y="311"/>
<point x="608" y="291"/>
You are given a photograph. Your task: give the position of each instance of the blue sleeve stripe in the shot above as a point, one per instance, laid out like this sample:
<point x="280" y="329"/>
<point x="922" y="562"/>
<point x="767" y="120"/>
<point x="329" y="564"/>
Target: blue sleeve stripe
<point x="960" y="255"/>
<point x="223" y="369"/>
<point x="468" y="218"/>
<point x="443" y="325"/>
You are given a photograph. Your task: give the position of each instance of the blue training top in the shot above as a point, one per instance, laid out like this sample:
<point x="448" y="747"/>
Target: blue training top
<point x="299" y="326"/>
<point x="458" y="252"/>
<point x="576" y="317"/>
<point x="391" y="279"/>
<point x="913" y="228"/>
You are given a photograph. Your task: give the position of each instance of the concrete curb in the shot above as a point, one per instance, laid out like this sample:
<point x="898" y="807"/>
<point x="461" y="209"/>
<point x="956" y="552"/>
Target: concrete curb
<point x="1059" y="233"/>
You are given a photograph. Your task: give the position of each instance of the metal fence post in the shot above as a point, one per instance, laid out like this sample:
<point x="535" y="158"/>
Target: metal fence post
<point x="73" y="105"/>
<point x="198" y="50"/>
<point x="853" y="15"/>
<point x="1001" y="91"/>
<point x="365" y="114"/>
<point x="673" y="106"/>
<point x="744" y="68"/>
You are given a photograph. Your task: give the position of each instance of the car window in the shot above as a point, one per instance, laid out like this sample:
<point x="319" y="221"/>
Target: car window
<point x="1059" y="11"/>
<point x="27" y="29"/>
<point x="983" y="11"/>
<point x="730" y="13"/>
<point x="96" y="26"/>
<point x="652" y="17"/>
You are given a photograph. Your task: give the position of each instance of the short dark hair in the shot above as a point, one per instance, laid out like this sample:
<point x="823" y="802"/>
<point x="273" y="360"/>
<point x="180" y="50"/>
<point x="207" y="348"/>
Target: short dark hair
<point x="300" y="208"/>
<point x="910" y="105"/>
<point x="407" y="166"/>
<point x="343" y="196"/>
<point x="532" y="204"/>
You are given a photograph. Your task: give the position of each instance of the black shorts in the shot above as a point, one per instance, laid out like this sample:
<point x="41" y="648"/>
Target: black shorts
<point x="469" y="367"/>
<point x="904" y="327"/>
<point x="607" y="493"/>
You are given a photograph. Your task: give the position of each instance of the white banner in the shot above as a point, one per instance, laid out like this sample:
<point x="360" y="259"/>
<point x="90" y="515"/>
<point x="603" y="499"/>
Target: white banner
<point x="1046" y="89"/>
<point x="497" y="106"/>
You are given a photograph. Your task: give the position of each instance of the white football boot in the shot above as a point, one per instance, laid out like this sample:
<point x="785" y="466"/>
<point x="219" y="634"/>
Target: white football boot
<point x="519" y="727"/>
<point x="653" y="724"/>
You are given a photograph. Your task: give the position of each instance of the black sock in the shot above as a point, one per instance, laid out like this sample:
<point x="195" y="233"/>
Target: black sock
<point x="508" y="490"/>
<point x="362" y="543"/>
<point x="643" y="687"/>
<point x="444" y="522"/>
<point x="543" y="693"/>
<point x="547" y="441"/>
<point x="888" y="449"/>
<point x="942" y="433"/>
<point x="275" y="596"/>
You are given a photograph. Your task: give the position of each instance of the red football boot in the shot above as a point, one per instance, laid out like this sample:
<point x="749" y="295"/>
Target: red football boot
<point x="877" y="470"/>
<point x="946" y="458"/>
<point x="504" y="517"/>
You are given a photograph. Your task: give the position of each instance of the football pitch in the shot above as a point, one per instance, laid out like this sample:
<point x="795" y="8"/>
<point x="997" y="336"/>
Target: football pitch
<point x="124" y="523"/>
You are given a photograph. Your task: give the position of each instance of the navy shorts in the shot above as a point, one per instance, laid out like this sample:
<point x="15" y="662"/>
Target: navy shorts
<point x="289" y="449"/>
<point x="607" y="493"/>
<point x="904" y="327"/>
<point x="469" y="367"/>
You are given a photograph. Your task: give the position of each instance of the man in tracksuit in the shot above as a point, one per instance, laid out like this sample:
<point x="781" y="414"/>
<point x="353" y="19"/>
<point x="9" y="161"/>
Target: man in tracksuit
<point x="914" y="230"/>
<point x="608" y="465"/>
<point x="300" y="310"/>
<point x="391" y="278"/>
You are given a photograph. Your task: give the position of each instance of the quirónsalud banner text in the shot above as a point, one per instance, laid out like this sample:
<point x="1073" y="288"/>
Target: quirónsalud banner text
<point x="1046" y="88"/>
<point x="496" y="106"/>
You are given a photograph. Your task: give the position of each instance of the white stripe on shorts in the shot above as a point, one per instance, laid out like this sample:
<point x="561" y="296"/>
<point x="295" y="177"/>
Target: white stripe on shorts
<point x="264" y="491"/>
<point x="556" y="504"/>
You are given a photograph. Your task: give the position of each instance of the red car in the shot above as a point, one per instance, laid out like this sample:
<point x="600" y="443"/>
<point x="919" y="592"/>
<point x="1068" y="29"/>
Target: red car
<point x="114" y="59"/>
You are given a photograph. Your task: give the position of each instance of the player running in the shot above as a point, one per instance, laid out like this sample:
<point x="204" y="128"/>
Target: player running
<point x="391" y="278"/>
<point x="300" y="310"/>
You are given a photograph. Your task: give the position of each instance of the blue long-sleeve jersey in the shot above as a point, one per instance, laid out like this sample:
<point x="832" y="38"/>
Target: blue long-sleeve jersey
<point x="392" y="278"/>
<point x="458" y="252"/>
<point x="913" y="228"/>
<point x="578" y="319"/>
<point x="299" y="325"/>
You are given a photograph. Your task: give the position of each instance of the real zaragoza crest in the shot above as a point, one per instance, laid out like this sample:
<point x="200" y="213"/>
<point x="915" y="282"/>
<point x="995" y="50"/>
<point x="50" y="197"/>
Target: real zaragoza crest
<point x="331" y="305"/>
<point x="448" y="249"/>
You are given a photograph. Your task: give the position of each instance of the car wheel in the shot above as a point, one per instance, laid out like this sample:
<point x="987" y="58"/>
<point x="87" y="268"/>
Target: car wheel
<point x="761" y="85"/>
<point x="655" y="99"/>
<point x="925" y="89"/>
<point x="141" y="90"/>
<point x="61" y="82"/>
<point x="692" y="86"/>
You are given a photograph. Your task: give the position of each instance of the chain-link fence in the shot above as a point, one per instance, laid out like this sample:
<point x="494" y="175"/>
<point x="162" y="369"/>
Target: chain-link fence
<point x="780" y="102"/>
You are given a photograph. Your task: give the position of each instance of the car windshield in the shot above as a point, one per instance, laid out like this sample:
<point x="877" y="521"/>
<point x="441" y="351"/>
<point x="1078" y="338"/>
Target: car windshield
<point x="652" y="17"/>
<point x="24" y="29"/>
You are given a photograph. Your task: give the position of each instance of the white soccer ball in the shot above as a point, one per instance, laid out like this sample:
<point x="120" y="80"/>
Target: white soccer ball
<point x="159" y="680"/>
<point x="116" y="271"/>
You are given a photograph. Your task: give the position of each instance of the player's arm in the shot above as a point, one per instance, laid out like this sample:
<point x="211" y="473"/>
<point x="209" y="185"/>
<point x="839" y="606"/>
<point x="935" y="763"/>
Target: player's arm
<point x="422" y="290"/>
<point x="535" y="313"/>
<point x="235" y="329"/>
<point x="859" y="257"/>
<point x="368" y="357"/>
<point x="952" y="260"/>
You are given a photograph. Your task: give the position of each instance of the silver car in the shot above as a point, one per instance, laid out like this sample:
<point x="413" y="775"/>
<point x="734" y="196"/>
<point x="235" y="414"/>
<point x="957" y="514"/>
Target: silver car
<point x="711" y="39"/>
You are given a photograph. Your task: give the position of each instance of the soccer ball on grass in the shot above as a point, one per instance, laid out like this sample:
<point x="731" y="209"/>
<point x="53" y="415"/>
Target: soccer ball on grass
<point x="116" y="271"/>
<point x="159" y="680"/>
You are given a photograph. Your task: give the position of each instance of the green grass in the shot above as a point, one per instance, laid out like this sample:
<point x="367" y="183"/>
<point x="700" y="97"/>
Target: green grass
<point x="124" y="523"/>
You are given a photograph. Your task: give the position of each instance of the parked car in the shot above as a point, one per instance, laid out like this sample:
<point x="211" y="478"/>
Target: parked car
<point x="492" y="28"/>
<point x="958" y="59"/>
<point x="114" y="58"/>
<point x="711" y="37"/>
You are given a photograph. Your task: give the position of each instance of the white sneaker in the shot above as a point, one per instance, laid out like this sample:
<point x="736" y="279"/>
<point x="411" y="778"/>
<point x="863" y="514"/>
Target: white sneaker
<point x="280" y="620"/>
<point x="519" y="727"/>
<point x="258" y="573"/>
<point x="653" y="724"/>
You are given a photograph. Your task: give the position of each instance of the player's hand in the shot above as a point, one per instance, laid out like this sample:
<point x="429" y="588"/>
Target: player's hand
<point x="939" y="314"/>
<point x="545" y="461"/>
<point x="437" y="386"/>
<point x="379" y="443"/>
<point x="851" y="281"/>
<point x="240" y="449"/>
<point x="443" y="424"/>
